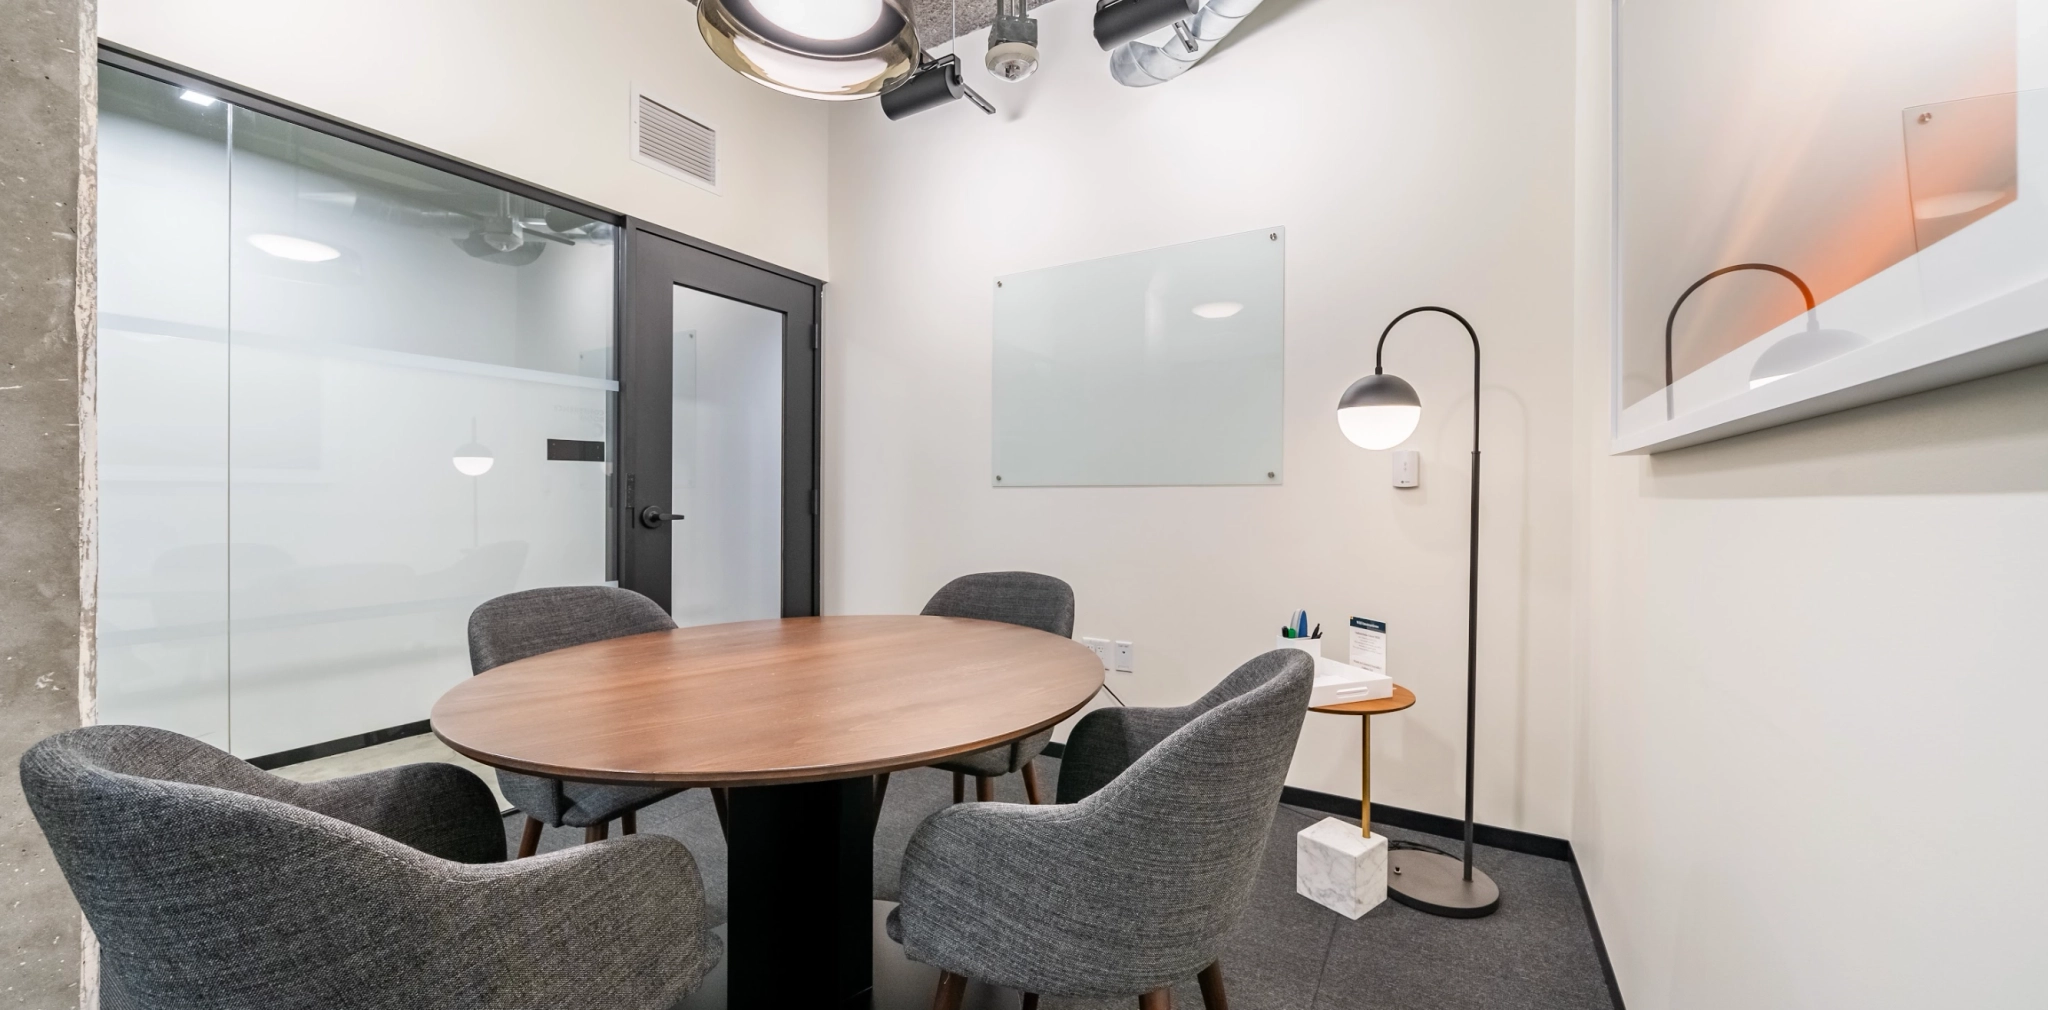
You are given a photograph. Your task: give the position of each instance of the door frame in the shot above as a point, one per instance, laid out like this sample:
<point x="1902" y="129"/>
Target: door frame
<point x="652" y="260"/>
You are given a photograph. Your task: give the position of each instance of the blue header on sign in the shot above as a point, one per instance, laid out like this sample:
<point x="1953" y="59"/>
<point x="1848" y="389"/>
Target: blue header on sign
<point x="1360" y="622"/>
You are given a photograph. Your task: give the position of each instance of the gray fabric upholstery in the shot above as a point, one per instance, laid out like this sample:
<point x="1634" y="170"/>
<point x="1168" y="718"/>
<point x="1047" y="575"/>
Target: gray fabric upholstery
<point x="211" y="884"/>
<point x="527" y="623"/>
<point x="1127" y="890"/>
<point x="1024" y="598"/>
<point x="1107" y="740"/>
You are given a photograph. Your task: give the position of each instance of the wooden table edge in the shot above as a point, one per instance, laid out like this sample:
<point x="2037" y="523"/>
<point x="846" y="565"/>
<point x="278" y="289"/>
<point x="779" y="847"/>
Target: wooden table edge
<point x="1374" y="706"/>
<point x="780" y="777"/>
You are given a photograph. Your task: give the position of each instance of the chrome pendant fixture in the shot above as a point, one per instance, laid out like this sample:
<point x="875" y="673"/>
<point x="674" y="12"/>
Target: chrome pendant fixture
<point x="836" y="50"/>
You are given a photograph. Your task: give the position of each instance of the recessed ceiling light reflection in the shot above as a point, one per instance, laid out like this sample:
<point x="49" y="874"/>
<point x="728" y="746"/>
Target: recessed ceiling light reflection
<point x="196" y="98"/>
<point x="291" y="247"/>
<point x="1218" y="310"/>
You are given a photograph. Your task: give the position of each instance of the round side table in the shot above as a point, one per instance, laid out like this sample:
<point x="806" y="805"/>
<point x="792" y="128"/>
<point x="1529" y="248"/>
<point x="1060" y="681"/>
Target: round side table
<point x="1365" y="710"/>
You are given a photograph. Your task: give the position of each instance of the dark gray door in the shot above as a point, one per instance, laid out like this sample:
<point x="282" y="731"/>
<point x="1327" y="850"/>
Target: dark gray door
<point x="718" y="432"/>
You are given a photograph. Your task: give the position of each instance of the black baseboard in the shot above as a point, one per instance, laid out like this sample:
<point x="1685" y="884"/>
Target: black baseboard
<point x="342" y="746"/>
<point x="1525" y="842"/>
<point x="1599" y="944"/>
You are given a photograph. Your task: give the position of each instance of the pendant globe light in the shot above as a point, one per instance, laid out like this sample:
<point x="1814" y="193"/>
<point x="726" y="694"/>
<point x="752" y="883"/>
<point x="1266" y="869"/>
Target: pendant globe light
<point x="836" y="50"/>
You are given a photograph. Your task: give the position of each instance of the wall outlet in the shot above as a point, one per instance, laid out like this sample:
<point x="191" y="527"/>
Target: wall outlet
<point x="1125" y="661"/>
<point x="1099" y="646"/>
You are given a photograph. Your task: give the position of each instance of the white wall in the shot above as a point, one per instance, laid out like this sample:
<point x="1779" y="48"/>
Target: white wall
<point x="537" y="90"/>
<point x="1810" y="765"/>
<point x="1416" y="153"/>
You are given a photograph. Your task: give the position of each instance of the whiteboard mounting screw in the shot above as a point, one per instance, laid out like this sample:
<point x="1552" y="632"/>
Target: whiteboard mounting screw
<point x="1927" y="117"/>
<point x="1273" y="236"/>
<point x="999" y="284"/>
<point x="1269" y="475"/>
<point x="999" y="478"/>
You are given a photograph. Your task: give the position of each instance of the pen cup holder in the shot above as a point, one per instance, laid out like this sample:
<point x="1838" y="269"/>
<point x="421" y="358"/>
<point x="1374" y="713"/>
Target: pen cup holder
<point x="1312" y="646"/>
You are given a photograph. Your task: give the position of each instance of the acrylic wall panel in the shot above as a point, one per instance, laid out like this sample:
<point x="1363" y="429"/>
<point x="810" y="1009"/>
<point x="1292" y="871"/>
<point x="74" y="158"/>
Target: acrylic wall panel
<point x="1154" y="367"/>
<point x="376" y="321"/>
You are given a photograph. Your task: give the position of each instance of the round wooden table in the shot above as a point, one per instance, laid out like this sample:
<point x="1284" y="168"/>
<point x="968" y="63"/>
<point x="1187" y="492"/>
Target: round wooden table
<point x="795" y="716"/>
<point x="1365" y="710"/>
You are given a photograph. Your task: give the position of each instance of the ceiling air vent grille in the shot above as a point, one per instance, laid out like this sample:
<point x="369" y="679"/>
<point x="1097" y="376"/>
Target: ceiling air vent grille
<point x="673" y="142"/>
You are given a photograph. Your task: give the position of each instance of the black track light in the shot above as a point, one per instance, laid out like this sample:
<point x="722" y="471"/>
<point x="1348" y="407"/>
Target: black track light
<point x="933" y="85"/>
<point x="1119" y="21"/>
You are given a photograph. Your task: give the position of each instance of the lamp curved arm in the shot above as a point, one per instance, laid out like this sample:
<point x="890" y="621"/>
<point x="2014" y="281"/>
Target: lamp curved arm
<point x="1671" y="320"/>
<point x="1472" y="568"/>
<point x="1379" y="352"/>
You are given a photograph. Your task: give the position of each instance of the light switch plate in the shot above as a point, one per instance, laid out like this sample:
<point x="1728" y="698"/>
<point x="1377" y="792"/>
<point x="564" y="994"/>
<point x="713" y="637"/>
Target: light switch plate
<point x="1125" y="662"/>
<point x="1407" y="468"/>
<point x="1099" y="646"/>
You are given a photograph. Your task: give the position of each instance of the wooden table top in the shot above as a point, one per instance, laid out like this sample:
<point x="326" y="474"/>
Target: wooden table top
<point x="802" y="699"/>
<point x="1401" y="698"/>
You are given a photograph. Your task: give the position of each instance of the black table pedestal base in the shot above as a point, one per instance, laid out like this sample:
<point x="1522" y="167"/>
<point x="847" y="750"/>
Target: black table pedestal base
<point x="900" y="983"/>
<point x="800" y="884"/>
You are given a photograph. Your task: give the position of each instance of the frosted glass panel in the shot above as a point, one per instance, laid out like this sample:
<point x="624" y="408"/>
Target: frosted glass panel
<point x="330" y="378"/>
<point x="727" y="460"/>
<point x="1157" y="367"/>
<point x="162" y="409"/>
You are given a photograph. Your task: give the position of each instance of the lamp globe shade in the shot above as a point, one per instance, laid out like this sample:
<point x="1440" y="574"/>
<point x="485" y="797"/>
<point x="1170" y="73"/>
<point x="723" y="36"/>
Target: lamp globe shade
<point x="1801" y="351"/>
<point x="1379" y="411"/>
<point x="473" y="460"/>
<point x="836" y="50"/>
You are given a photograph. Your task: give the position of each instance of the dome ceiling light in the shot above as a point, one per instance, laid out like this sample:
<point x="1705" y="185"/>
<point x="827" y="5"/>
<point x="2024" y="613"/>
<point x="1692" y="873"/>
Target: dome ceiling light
<point x="836" y="51"/>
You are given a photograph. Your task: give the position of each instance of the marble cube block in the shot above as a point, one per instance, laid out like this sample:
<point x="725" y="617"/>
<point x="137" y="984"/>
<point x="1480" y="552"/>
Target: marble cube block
<point x="1340" y="869"/>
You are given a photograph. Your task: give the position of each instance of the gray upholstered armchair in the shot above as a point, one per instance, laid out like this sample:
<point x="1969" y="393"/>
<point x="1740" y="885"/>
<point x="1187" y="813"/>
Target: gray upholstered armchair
<point x="210" y="883"/>
<point x="1131" y="888"/>
<point x="533" y="621"/>
<point x="1022" y="598"/>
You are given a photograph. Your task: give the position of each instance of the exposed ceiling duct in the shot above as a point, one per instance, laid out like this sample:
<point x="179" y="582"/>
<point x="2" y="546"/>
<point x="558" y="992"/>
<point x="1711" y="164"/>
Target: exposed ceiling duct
<point x="1140" y="64"/>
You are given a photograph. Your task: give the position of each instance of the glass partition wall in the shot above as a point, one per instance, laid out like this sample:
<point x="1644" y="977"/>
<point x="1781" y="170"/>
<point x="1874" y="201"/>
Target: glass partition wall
<point x="343" y="397"/>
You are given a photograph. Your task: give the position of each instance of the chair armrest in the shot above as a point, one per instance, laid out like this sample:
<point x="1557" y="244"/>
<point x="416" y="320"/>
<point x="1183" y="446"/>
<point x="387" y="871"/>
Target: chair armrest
<point x="619" y="923"/>
<point x="1066" y="900"/>
<point x="440" y="809"/>
<point x="1107" y="741"/>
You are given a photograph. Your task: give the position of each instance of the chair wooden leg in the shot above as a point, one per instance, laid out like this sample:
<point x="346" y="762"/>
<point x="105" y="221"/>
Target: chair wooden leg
<point x="1030" y="1001"/>
<point x="984" y="788"/>
<point x="719" y="800"/>
<point x="1031" y="783"/>
<point x="952" y="989"/>
<point x="959" y="788"/>
<point x="629" y="822"/>
<point x="529" y="840"/>
<point x="596" y="832"/>
<point x="1158" y="999"/>
<point x="1211" y="980"/>
<point x="881" y="790"/>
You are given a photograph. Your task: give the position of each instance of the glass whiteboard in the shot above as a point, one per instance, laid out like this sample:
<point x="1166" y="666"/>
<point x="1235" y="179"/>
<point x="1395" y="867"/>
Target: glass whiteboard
<point x="1154" y="367"/>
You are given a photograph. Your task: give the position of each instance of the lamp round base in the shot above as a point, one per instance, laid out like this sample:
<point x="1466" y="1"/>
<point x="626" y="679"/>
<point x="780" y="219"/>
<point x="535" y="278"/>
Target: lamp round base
<point x="1435" y="883"/>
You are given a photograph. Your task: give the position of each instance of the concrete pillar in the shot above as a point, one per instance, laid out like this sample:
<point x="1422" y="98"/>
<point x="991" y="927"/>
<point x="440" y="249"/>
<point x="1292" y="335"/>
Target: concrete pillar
<point x="47" y="120"/>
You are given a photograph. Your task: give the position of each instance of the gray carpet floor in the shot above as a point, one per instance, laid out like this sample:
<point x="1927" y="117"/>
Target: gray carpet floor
<point x="1288" y="953"/>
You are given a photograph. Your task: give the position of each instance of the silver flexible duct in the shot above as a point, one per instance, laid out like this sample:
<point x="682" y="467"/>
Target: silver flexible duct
<point x="1141" y="64"/>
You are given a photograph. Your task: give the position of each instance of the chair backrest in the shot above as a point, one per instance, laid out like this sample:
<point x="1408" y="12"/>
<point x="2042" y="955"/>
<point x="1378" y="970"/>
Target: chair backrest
<point x="176" y="850"/>
<point x="1192" y="814"/>
<point x="1025" y="598"/>
<point x="1108" y="740"/>
<point x="533" y="621"/>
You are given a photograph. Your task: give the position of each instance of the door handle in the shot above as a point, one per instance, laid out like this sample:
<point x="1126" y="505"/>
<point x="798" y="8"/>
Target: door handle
<point x="653" y="515"/>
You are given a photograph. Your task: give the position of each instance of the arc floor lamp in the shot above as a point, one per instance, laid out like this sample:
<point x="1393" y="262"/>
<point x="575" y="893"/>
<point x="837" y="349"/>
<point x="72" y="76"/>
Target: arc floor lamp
<point x="1380" y="411"/>
<point x="1796" y="352"/>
